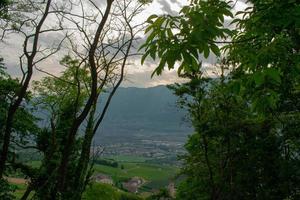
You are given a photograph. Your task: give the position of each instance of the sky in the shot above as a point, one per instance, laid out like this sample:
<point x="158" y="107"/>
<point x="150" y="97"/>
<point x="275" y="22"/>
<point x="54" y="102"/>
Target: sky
<point x="137" y="75"/>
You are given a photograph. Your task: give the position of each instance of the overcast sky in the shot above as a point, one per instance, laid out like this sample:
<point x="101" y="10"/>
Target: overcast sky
<point x="136" y="75"/>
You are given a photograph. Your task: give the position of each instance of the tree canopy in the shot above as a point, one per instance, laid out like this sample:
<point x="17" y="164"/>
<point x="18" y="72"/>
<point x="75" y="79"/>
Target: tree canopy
<point x="246" y="118"/>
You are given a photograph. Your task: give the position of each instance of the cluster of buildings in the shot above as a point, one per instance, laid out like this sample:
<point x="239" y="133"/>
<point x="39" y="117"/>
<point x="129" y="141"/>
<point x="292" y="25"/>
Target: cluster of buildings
<point x="145" y="148"/>
<point x="132" y="185"/>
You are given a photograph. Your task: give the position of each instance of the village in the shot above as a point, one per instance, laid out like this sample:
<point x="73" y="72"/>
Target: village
<point x="132" y="185"/>
<point x="152" y="150"/>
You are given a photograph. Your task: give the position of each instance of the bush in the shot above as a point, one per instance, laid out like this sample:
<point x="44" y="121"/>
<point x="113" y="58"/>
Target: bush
<point x="110" y="163"/>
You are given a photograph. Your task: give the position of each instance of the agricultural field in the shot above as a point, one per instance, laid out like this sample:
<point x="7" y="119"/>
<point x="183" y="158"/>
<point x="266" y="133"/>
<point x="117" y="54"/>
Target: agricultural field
<point x="19" y="185"/>
<point x="155" y="176"/>
<point x="20" y="190"/>
<point x="136" y="166"/>
<point x="128" y="159"/>
<point x="93" y="191"/>
<point x="146" y="171"/>
<point x="107" y="192"/>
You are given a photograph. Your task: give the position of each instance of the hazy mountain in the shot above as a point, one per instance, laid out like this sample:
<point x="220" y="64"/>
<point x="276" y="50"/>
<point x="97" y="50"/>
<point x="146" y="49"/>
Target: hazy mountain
<point x="137" y="113"/>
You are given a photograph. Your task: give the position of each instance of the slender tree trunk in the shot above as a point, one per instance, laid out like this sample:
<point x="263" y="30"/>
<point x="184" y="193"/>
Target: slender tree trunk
<point x="27" y="192"/>
<point x="214" y="192"/>
<point x="82" y="166"/>
<point x="22" y="92"/>
<point x="77" y="122"/>
<point x="9" y="121"/>
<point x="91" y="129"/>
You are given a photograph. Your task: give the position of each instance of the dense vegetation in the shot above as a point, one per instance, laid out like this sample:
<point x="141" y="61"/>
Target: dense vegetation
<point x="69" y="100"/>
<point x="106" y="192"/>
<point x="246" y="119"/>
<point x="244" y="108"/>
<point x="107" y="162"/>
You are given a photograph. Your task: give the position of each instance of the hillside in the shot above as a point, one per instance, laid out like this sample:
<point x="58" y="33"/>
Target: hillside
<point x="107" y="192"/>
<point x="141" y="122"/>
<point x="144" y="112"/>
<point x="144" y="122"/>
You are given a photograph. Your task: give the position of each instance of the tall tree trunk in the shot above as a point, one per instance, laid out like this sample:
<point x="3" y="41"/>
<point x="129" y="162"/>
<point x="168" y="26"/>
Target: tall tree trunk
<point x="22" y="92"/>
<point x="27" y="192"/>
<point x="82" y="166"/>
<point x="77" y="122"/>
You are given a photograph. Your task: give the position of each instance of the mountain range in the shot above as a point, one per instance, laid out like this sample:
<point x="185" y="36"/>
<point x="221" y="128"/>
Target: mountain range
<point x="143" y="113"/>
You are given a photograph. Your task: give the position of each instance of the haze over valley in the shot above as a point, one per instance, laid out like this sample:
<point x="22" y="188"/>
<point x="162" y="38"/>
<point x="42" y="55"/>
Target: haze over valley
<point x="144" y="122"/>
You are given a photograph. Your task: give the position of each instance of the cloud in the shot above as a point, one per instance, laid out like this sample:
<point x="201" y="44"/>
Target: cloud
<point x="136" y="75"/>
<point x="166" y="7"/>
<point x="241" y="5"/>
<point x="140" y="76"/>
<point x="12" y="49"/>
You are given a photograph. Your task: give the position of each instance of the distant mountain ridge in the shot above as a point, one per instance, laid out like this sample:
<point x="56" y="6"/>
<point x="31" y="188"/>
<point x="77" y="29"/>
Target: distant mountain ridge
<point x="143" y="111"/>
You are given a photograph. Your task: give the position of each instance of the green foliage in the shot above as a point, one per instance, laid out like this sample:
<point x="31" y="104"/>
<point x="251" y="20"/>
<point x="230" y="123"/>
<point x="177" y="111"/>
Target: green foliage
<point x="23" y="130"/>
<point x="107" y="162"/>
<point x="56" y="94"/>
<point x="145" y="1"/>
<point x="234" y="153"/>
<point x="6" y="190"/>
<point x="107" y="192"/>
<point x="3" y="3"/>
<point x="185" y="37"/>
<point x="157" y="176"/>
<point x="3" y="8"/>
<point x="163" y="194"/>
<point x="265" y="51"/>
<point x="244" y="145"/>
<point x="62" y="98"/>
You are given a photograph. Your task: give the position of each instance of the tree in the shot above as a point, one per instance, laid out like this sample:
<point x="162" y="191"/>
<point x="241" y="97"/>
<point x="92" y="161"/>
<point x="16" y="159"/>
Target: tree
<point x="32" y="55"/>
<point x="23" y="128"/>
<point x="101" y="54"/>
<point x="163" y="194"/>
<point x="242" y="147"/>
<point x="108" y="50"/>
<point x="3" y="8"/>
<point x="234" y="153"/>
<point x="266" y="51"/>
<point x="74" y="96"/>
<point x="185" y="37"/>
<point x="57" y="98"/>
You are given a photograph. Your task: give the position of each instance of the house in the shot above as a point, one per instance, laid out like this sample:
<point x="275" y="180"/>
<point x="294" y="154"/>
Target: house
<point x="171" y="189"/>
<point x="133" y="184"/>
<point x="103" y="178"/>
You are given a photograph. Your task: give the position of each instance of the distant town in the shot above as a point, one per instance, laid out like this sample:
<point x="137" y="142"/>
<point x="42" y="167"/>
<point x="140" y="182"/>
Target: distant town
<point x="161" y="151"/>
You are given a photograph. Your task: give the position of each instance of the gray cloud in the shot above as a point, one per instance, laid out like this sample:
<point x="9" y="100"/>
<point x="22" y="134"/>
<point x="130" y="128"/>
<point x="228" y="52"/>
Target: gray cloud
<point x="141" y="77"/>
<point x="137" y="75"/>
<point x="166" y="6"/>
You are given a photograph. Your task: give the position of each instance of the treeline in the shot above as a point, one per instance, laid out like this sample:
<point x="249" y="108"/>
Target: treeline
<point x="107" y="162"/>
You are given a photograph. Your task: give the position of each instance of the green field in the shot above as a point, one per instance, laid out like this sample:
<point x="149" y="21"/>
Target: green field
<point x="93" y="191"/>
<point x="20" y="189"/>
<point x="127" y="158"/>
<point x="107" y="192"/>
<point x="35" y="163"/>
<point x="149" y="172"/>
<point x="156" y="176"/>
